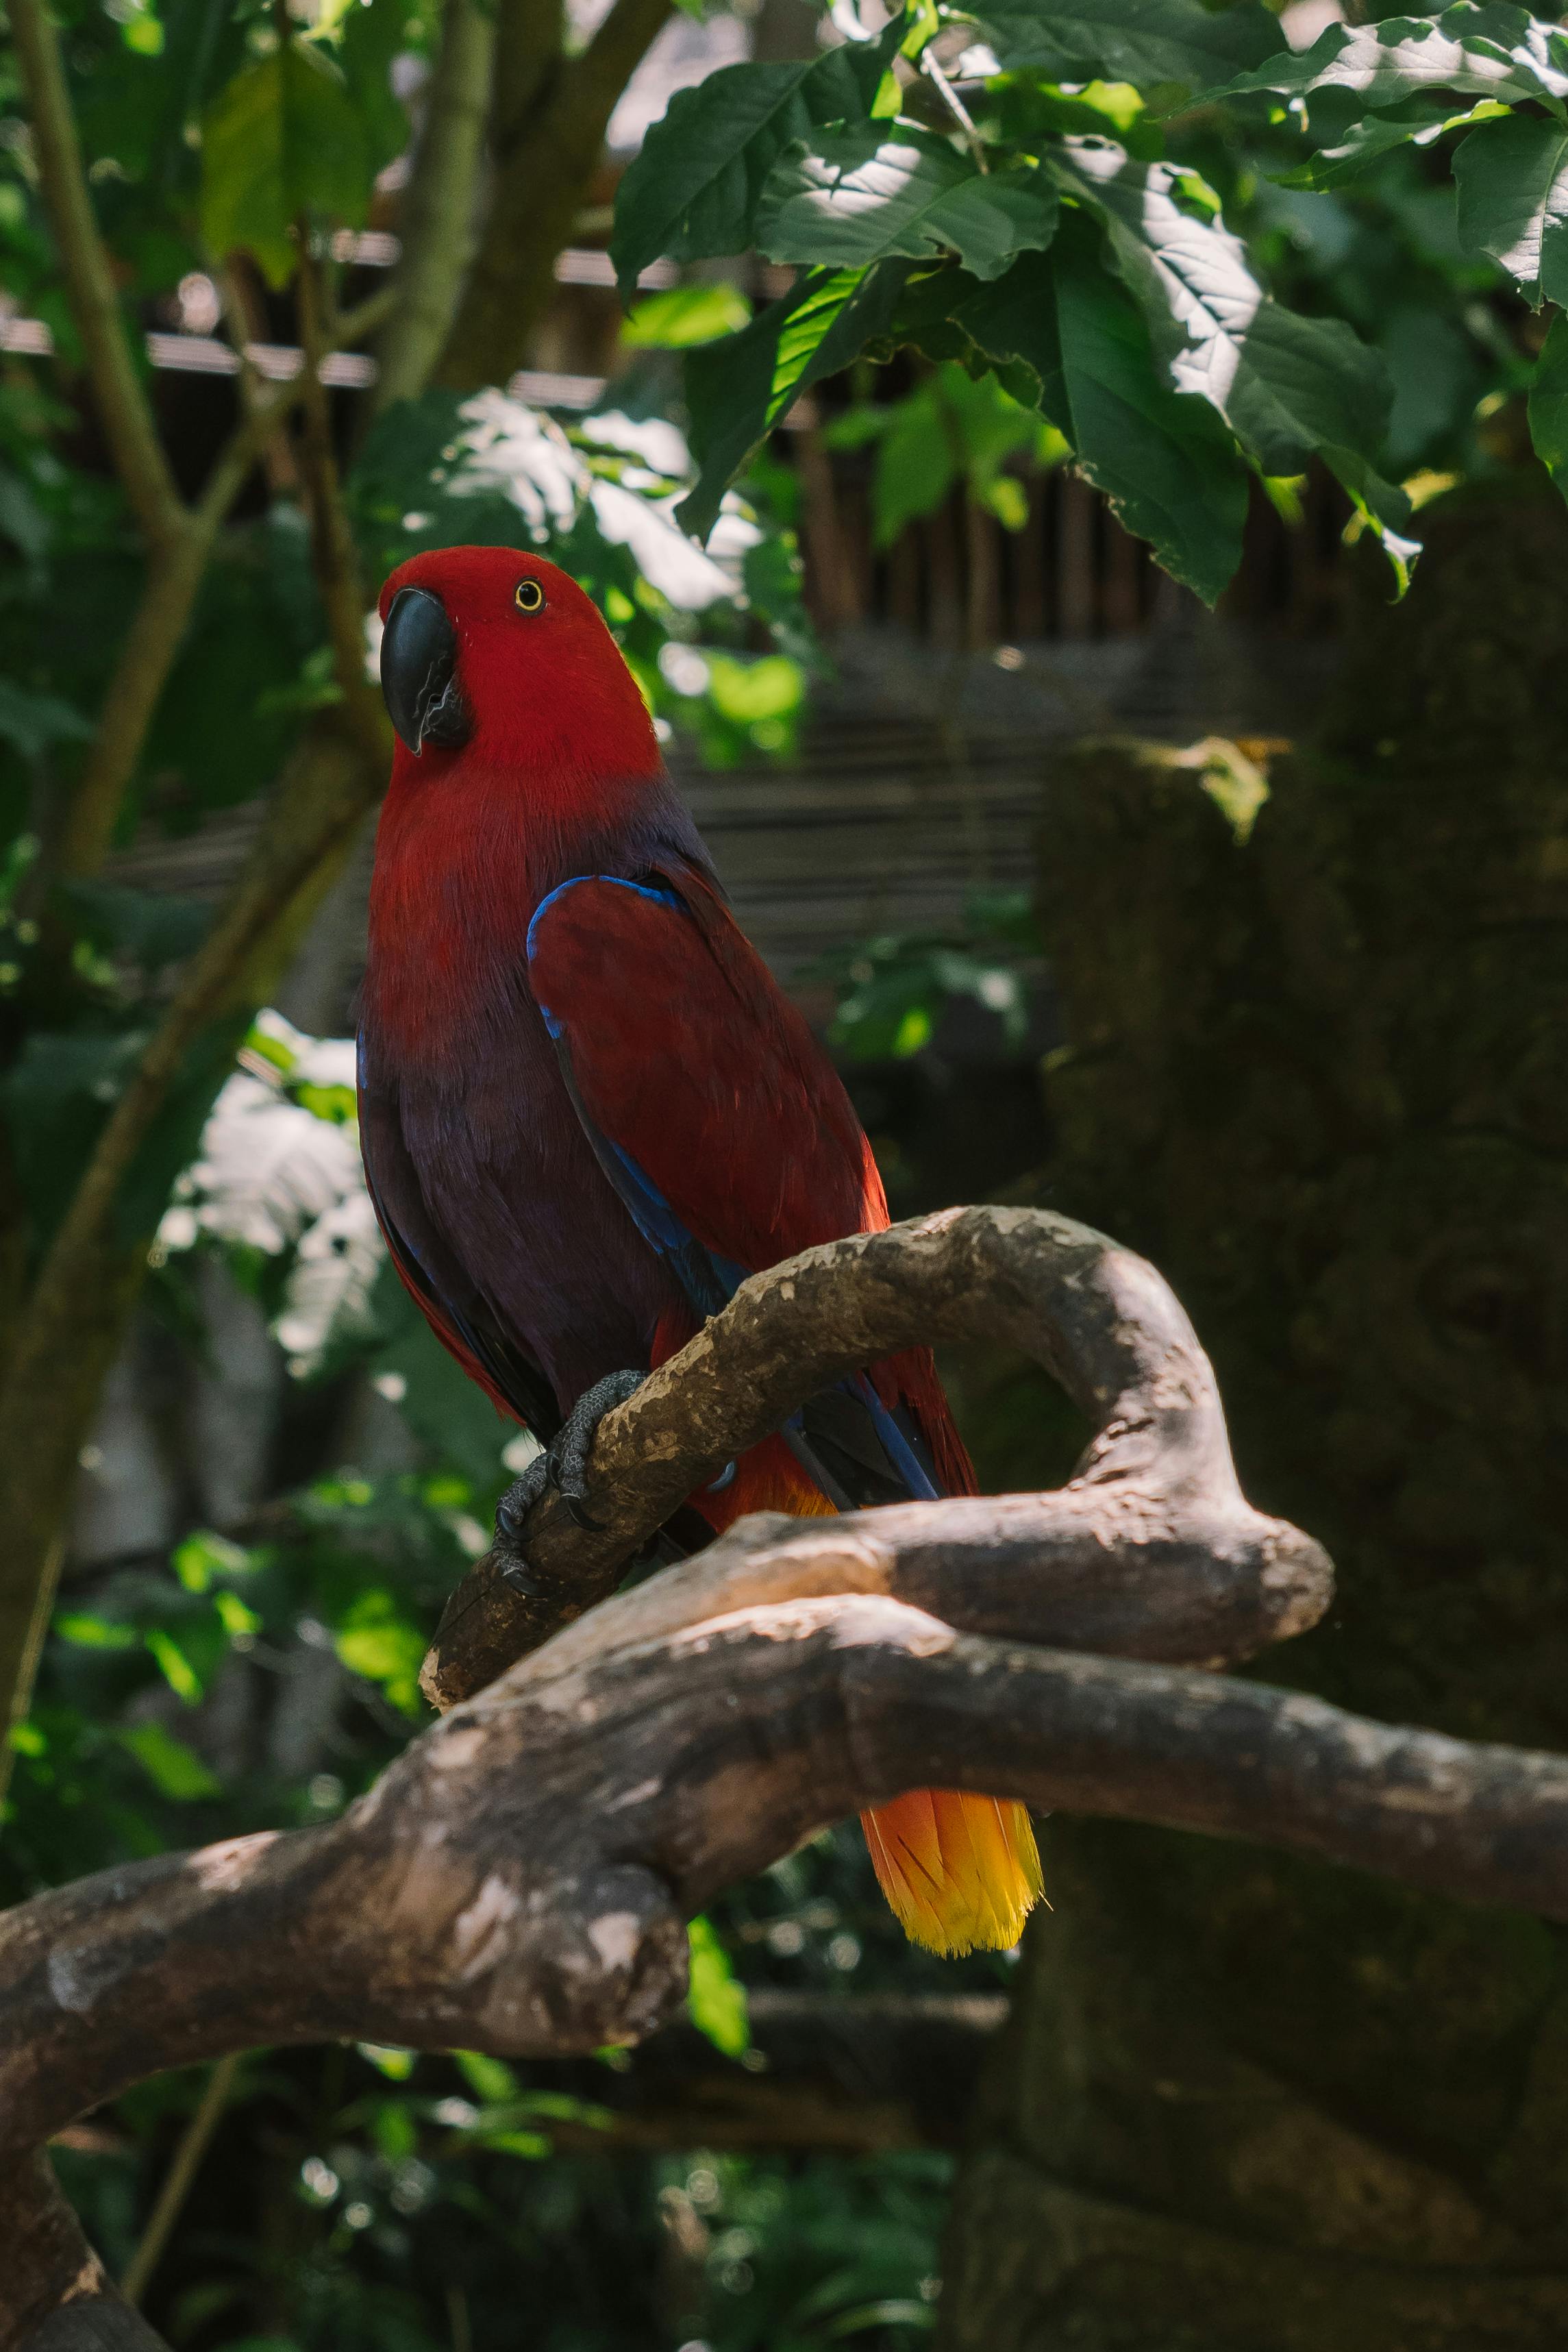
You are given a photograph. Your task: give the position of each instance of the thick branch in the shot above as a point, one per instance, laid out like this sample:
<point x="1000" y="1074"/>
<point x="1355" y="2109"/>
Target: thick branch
<point x="541" y="176"/>
<point x="1150" y="1551"/>
<point x="436" y="222"/>
<point x="90" y="279"/>
<point x="518" y="1880"/>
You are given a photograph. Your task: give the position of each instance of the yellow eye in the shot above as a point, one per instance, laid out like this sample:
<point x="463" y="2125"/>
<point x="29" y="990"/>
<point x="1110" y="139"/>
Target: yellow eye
<point x="529" y="597"/>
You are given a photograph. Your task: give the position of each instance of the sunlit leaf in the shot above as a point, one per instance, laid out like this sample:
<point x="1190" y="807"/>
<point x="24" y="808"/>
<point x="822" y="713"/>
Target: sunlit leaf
<point x="852" y="197"/>
<point x="716" y="1999"/>
<point x="693" y="189"/>
<point x="738" y="390"/>
<point x="1512" y="181"/>
<point x="683" y="315"/>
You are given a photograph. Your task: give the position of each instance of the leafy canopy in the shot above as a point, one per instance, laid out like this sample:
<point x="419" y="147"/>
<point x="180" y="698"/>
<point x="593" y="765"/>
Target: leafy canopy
<point x="992" y="186"/>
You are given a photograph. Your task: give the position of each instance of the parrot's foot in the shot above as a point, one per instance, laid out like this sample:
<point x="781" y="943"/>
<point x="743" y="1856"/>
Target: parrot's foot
<point x="564" y="1467"/>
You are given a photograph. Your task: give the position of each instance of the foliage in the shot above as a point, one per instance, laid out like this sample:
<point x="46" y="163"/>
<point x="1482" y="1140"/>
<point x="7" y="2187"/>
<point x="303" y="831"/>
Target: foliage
<point x="1053" y="233"/>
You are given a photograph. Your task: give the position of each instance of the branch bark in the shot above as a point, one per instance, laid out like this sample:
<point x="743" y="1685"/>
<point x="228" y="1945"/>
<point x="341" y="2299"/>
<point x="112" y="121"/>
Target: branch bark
<point x="121" y="399"/>
<point x="89" y="1278"/>
<point x="437" y="220"/>
<point x="1152" y="1550"/>
<point x="518" y="1881"/>
<point x="548" y="151"/>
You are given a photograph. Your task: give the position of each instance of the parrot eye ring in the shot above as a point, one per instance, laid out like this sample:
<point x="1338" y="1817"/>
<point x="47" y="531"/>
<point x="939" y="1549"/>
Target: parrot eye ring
<point x="528" y="596"/>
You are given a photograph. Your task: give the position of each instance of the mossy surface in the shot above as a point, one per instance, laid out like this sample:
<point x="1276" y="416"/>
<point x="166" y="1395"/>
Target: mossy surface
<point x="1320" y="1075"/>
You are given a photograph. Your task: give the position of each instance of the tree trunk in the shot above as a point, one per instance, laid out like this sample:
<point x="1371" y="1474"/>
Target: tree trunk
<point x="1319" y="1074"/>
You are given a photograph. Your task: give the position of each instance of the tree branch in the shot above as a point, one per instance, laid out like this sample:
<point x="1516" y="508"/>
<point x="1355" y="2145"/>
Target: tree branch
<point x="333" y="555"/>
<point x="90" y="1275"/>
<point x="152" y="642"/>
<point x="437" y="218"/>
<point x="541" y="175"/>
<point x="520" y="1879"/>
<point x="90" y="280"/>
<point x="1152" y="1550"/>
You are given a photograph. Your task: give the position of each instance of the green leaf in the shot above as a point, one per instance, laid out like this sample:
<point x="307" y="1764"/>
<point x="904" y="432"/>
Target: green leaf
<point x="1549" y="404"/>
<point x="491" y="2080"/>
<point x="371" y="33"/>
<point x="849" y="198"/>
<point x="692" y="191"/>
<point x="1382" y="507"/>
<point x="282" y="139"/>
<point x="89" y="1633"/>
<point x="1286" y="384"/>
<point x="1512" y="179"/>
<point x="1379" y="134"/>
<point x="736" y="390"/>
<point x="377" y="1640"/>
<point x="1165" y="462"/>
<point x="1142" y="41"/>
<point x="177" y="1668"/>
<point x="716" y="2000"/>
<point x="31" y="722"/>
<point x="1484" y="52"/>
<point x="175" y="1769"/>
<point x="204" y="1555"/>
<point x="683" y="315"/>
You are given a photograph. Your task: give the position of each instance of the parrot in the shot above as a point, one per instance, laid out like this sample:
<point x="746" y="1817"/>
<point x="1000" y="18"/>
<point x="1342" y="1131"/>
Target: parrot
<point x="588" y="1112"/>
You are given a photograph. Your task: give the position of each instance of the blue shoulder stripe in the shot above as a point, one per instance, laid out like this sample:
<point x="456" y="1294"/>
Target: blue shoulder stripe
<point x="709" y="1281"/>
<point x="644" y="891"/>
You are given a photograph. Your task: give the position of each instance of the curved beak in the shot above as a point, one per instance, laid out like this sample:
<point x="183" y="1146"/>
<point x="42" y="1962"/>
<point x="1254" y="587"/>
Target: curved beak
<point x="419" y="673"/>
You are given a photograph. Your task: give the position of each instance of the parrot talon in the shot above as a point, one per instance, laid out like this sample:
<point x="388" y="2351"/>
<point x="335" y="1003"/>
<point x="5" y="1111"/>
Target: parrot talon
<point x="564" y="1467"/>
<point x="515" y="1577"/>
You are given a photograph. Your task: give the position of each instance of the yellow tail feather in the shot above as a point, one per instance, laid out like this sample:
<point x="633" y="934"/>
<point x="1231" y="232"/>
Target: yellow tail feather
<point x="961" y="1874"/>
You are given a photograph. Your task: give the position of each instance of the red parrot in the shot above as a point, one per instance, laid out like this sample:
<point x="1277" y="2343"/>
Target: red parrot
<point x="588" y="1112"/>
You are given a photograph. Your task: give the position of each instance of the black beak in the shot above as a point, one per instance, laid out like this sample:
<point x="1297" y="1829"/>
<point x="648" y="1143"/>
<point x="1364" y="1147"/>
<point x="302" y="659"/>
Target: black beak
<point x="419" y="673"/>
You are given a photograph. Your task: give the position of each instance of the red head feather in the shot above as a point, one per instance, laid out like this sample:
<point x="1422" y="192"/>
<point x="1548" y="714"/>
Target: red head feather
<point x="559" y="749"/>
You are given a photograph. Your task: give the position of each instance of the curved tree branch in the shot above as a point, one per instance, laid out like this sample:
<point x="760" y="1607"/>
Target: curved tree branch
<point x="1150" y="1551"/>
<point x="518" y="1881"/>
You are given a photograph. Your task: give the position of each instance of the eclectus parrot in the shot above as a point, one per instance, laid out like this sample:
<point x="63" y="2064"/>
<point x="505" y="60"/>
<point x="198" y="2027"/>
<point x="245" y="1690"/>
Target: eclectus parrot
<point x="588" y="1112"/>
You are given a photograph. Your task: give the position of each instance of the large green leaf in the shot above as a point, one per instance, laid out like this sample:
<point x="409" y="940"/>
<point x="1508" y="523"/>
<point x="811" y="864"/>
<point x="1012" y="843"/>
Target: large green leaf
<point x="1289" y="387"/>
<point x="1549" y="404"/>
<point x="1484" y="51"/>
<point x="1284" y="384"/>
<point x="1142" y="41"/>
<point x="1378" y="134"/>
<point x="1512" y="179"/>
<point x="373" y="33"/>
<point x="849" y="198"/>
<point x="1164" y="461"/>
<point x="692" y="190"/>
<point x="739" y="387"/>
<point x="283" y="138"/>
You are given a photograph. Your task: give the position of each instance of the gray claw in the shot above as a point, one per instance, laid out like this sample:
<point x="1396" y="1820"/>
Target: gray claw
<point x="564" y="1467"/>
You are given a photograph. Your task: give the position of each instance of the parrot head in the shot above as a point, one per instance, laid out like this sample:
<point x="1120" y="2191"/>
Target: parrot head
<point x="498" y="660"/>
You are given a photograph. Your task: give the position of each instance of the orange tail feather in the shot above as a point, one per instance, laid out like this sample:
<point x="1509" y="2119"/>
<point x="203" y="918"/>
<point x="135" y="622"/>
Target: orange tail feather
<point x="961" y="1872"/>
